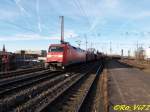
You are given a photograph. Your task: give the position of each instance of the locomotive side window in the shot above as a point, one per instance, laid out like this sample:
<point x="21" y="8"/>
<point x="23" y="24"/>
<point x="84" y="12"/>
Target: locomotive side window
<point x="56" y="49"/>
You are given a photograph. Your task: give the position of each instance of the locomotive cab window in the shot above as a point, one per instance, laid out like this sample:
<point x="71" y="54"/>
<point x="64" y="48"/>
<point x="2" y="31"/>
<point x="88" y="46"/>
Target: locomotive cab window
<point x="56" y="49"/>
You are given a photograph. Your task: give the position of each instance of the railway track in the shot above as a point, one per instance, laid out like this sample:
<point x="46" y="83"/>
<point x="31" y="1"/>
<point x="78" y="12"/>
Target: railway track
<point x="5" y="75"/>
<point x="73" y="98"/>
<point x="29" y="89"/>
<point x="15" y="85"/>
<point x="53" y="89"/>
<point x="16" y="81"/>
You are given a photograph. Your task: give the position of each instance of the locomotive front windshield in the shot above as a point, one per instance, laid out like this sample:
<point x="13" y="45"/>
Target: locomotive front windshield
<point x="56" y="49"/>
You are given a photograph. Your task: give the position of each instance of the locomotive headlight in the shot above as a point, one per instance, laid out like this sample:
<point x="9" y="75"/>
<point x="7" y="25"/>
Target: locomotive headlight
<point x="49" y="56"/>
<point x="60" y="56"/>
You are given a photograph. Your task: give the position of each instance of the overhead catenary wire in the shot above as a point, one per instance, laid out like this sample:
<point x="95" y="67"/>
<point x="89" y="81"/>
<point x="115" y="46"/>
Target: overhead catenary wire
<point x="14" y="24"/>
<point x="19" y="26"/>
<point x="83" y="12"/>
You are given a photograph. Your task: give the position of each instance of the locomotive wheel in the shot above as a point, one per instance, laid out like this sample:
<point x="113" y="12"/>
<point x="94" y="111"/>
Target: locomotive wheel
<point x="64" y="67"/>
<point x="46" y="65"/>
<point x="52" y="68"/>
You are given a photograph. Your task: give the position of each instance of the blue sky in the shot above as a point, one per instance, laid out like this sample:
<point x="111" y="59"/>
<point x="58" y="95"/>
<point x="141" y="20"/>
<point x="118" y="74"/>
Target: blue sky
<point x="34" y="24"/>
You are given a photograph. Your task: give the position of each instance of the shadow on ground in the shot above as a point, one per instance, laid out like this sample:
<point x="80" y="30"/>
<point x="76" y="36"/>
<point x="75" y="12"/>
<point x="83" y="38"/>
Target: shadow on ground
<point x="114" y="64"/>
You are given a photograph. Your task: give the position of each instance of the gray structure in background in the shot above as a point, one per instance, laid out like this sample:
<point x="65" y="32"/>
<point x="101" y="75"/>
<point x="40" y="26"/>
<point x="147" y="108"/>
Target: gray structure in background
<point x="36" y="52"/>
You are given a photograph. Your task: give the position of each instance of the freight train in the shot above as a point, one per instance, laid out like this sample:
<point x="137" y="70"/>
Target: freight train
<point x="60" y="56"/>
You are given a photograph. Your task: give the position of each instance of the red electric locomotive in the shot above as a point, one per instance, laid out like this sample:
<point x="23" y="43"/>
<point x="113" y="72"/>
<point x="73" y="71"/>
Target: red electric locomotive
<point x="62" y="55"/>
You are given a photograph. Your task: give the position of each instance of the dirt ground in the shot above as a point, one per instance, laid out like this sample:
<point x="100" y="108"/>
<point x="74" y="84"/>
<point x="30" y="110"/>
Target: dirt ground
<point x="143" y="65"/>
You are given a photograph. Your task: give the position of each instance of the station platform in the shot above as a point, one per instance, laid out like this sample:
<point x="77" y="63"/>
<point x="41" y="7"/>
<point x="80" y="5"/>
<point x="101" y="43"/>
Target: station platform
<point x="128" y="88"/>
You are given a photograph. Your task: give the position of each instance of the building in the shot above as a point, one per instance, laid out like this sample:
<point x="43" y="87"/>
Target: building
<point x="31" y="56"/>
<point x="147" y="53"/>
<point x="31" y="52"/>
<point x="5" y="59"/>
